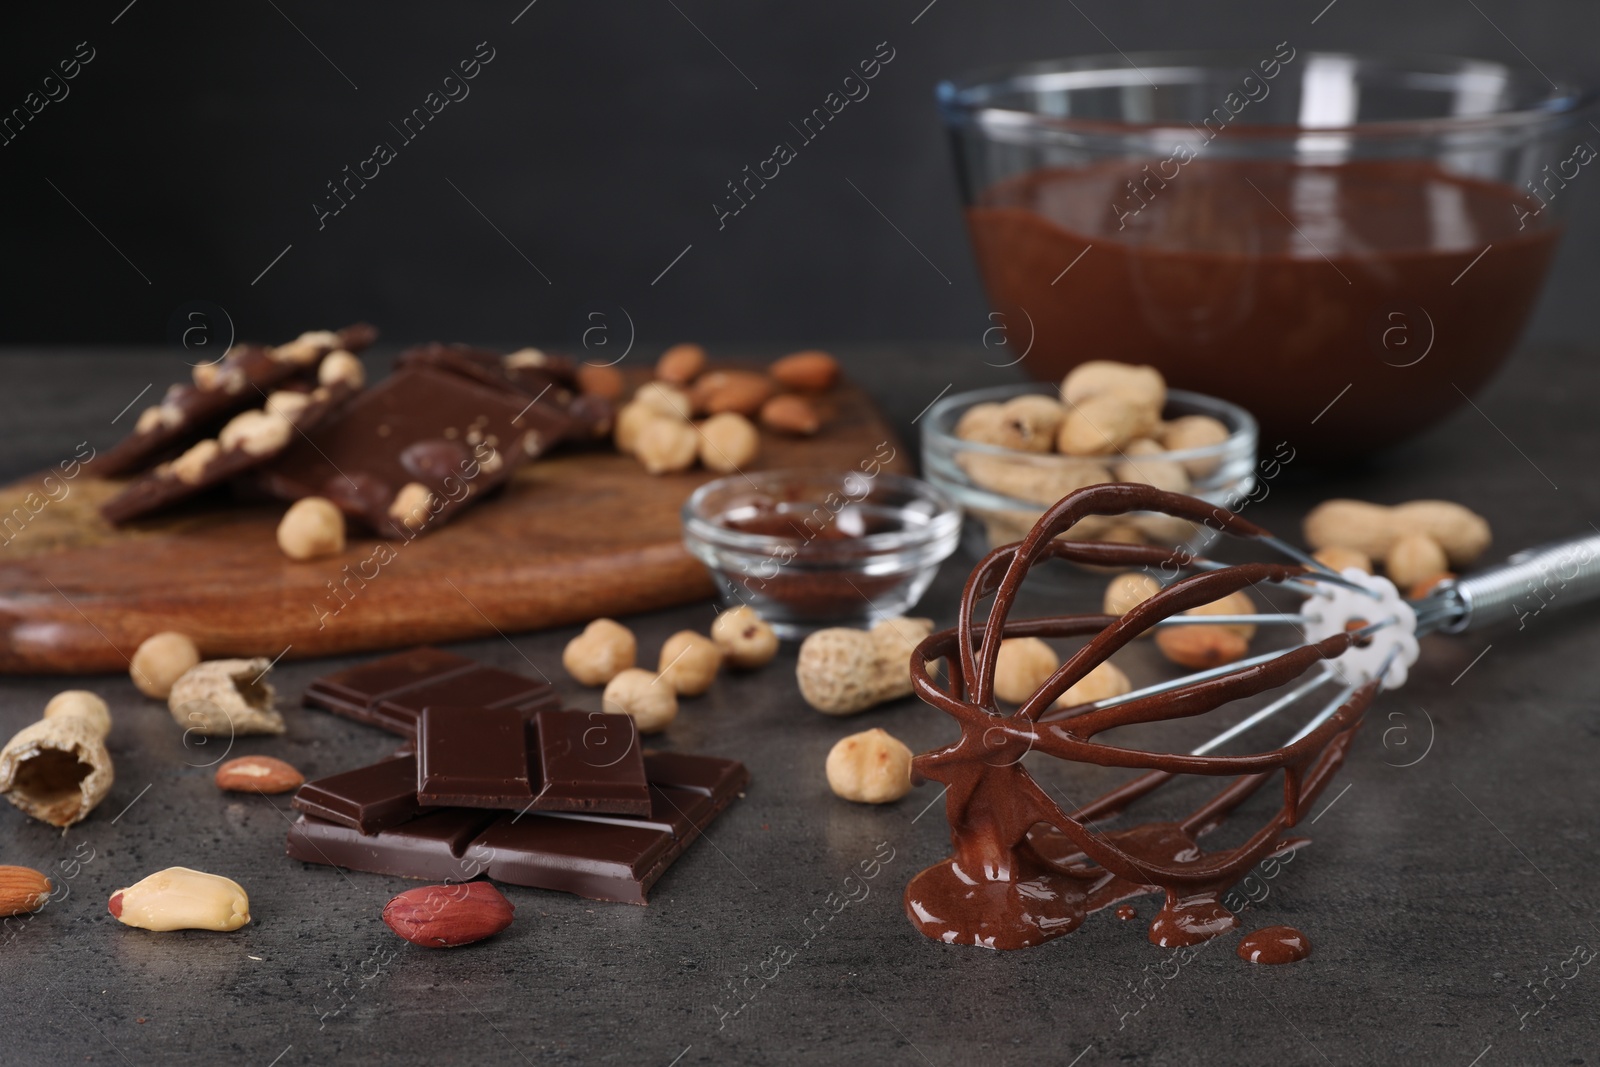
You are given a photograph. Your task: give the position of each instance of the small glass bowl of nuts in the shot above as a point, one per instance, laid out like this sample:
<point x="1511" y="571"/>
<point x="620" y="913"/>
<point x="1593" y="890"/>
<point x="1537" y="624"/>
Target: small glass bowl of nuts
<point x="808" y="549"/>
<point x="1007" y="453"/>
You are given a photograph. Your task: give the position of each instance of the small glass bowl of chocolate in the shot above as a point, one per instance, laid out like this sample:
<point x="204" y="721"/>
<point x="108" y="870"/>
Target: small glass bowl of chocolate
<point x="997" y="453"/>
<point x="808" y="549"/>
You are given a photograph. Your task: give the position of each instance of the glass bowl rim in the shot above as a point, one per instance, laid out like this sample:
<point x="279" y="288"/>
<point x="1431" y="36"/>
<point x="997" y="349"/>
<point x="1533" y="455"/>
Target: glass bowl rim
<point x="700" y="525"/>
<point x="956" y="96"/>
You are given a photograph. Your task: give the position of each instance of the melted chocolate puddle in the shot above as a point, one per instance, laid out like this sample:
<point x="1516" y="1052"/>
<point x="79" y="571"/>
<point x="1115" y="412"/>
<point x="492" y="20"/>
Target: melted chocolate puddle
<point x="1274" y="945"/>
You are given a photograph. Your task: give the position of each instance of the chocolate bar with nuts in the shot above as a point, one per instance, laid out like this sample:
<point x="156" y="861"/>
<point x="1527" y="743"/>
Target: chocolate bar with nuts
<point x="249" y="440"/>
<point x="549" y="381"/>
<point x="391" y="692"/>
<point x="410" y="453"/>
<point x="239" y="380"/>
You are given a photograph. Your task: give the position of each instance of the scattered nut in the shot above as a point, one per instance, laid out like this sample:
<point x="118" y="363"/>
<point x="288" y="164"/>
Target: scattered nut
<point x="256" y="433"/>
<point x="1342" y="559"/>
<point x="1191" y="432"/>
<point x="602" y="381"/>
<point x="744" y="637"/>
<point x="181" y="899"/>
<point x="341" y="368"/>
<point x="630" y="423"/>
<point x="58" y="769"/>
<point x="1128" y="591"/>
<point x="731" y="390"/>
<point x="1022" y="667"/>
<point x="1102" y="683"/>
<point x="791" y="414"/>
<point x="22" y="889"/>
<point x="689" y="661"/>
<point x="681" y="364"/>
<point x="666" y="446"/>
<point x="448" y="916"/>
<point x="189" y="467"/>
<point x="258" y="774"/>
<point x="1101" y="424"/>
<point x="1414" y="558"/>
<point x="160" y="660"/>
<point x="226" y="697"/>
<point x="412" y="506"/>
<point x="1201" y="646"/>
<point x="728" y="442"/>
<point x="871" y="767"/>
<point x="649" y="698"/>
<point x="842" y="671"/>
<point x="1142" y="386"/>
<point x="664" y="399"/>
<point x="1373" y="528"/>
<point x="604" y="650"/>
<point x="810" y="371"/>
<point x="310" y="529"/>
<point x="1235" y="603"/>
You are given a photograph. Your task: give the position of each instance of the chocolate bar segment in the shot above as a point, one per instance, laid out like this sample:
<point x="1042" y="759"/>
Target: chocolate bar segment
<point x="237" y="381"/>
<point x="549" y="382"/>
<point x="432" y="847"/>
<point x="590" y="761"/>
<point x="367" y="799"/>
<point x="474" y="757"/>
<point x="411" y="452"/>
<point x="391" y="692"/>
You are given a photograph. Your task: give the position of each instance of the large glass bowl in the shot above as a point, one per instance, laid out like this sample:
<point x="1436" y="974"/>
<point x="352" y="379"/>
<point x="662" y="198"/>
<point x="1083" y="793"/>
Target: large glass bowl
<point x="1347" y="245"/>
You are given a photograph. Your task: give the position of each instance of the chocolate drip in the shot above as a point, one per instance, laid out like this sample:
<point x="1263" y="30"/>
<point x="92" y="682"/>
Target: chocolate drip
<point x="1025" y="871"/>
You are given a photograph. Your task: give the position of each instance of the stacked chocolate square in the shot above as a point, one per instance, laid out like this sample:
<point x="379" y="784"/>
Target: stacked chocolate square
<point x="496" y="779"/>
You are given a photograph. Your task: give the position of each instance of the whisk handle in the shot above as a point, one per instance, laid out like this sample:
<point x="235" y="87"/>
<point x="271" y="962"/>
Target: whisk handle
<point x="1553" y="575"/>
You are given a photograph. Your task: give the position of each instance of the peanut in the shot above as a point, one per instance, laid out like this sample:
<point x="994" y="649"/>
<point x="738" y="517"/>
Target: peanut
<point x="1030" y="423"/>
<point x="648" y="698"/>
<point x="226" y="698"/>
<point x="1042" y="481"/>
<point x="161" y="660"/>
<point x="1414" y="559"/>
<point x="842" y="671"/>
<point x="58" y="769"/>
<point x="1342" y="559"/>
<point x="1101" y="424"/>
<point x="871" y="767"/>
<point x="1022" y="667"/>
<point x="1191" y="432"/>
<point x="602" y="651"/>
<point x="181" y="899"/>
<point x="1373" y="529"/>
<point x="1160" y="473"/>
<point x="1140" y="385"/>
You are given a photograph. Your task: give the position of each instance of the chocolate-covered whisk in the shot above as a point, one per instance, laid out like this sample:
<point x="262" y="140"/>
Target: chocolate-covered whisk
<point x="1024" y="869"/>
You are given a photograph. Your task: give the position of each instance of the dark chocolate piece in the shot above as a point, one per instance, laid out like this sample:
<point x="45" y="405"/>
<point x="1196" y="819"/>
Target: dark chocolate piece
<point x="411" y="452"/>
<point x="590" y="761"/>
<point x="549" y="381"/>
<point x="250" y="440"/>
<point x="391" y="692"/>
<point x="367" y="799"/>
<point x="603" y="857"/>
<point x="432" y="847"/>
<point x="474" y="757"/>
<point x="235" y="382"/>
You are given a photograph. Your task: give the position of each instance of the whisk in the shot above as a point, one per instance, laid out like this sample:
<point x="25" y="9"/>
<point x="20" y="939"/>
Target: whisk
<point x="1025" y="870"/>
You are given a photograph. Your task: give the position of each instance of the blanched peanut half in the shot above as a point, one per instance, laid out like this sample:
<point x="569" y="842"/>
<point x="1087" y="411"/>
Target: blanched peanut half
<point x="182" y="899"/>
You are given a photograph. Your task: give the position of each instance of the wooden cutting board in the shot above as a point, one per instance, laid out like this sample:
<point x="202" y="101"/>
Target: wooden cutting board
<point x="573" y="537"/>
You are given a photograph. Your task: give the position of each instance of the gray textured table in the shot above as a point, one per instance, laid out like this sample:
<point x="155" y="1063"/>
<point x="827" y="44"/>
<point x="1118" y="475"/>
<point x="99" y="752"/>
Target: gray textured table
<point x="1434" y="893"/>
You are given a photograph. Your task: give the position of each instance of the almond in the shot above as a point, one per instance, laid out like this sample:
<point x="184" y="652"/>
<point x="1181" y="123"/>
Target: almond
<point x="445" y="916"/>
<point x="22" y="889"/>
<point x="681" y="364"/>
<point x="811" y="371"/>
<point x="258" y="774"/>
<point x="790" y="414"/>
<point x="742" y="391"/>
<point x="604" y="382"/>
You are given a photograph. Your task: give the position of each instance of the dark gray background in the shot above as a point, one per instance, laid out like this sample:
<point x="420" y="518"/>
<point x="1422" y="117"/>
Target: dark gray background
<point x="596" y="143"/>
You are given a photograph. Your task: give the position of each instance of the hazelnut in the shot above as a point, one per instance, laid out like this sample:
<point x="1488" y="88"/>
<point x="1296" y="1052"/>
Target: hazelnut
<point x="161" y="660"/>
<point x="1024" y="665"/>
<point x="728" y="442"/>
<point x="82" y="704"/>
<point x="1414" y="558"/>
<point x="188" y="467"/>
<point x="648" y="698"/>
<point x="341" y="368"/>
<point x="1128" y="591"/>
<point x="256" y="433"/>
<point x="305" y="349"/>
<point x="1195" y="431"/>
<point x="286" y="403"/>
<point x="690" y="662"/>
<point x="681" y="364"/>
<point x="744" y="637"/>
<point x="311" y="528"/>
<point x="1142" y="386"/>
<point x="871" y="767"/>
<point x="1102" y="683"/>
<point x="524" y="358"/>
<point x="601" y="381"/>
<point x="1342" y="559"/>
<point x="664" y="399"/>
<point x="666" y="445"/>
<point x="630" y="423"/>
<point x="605" y="649"/>
<point x="412" y="506"/>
